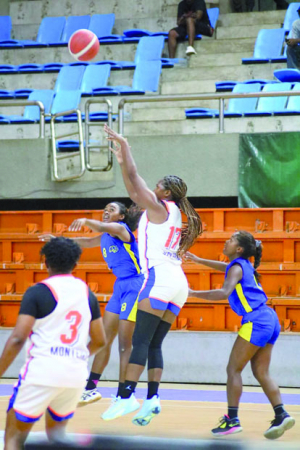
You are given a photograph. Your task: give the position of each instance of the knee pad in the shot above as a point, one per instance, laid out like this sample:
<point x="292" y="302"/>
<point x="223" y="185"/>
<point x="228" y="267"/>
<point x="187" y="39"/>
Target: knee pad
<point x="155" y="357"/>
<point x="145" y="327"/>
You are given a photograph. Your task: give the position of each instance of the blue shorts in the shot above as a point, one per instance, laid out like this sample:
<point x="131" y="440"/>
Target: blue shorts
<point x="260" y="327"/>
<point x="125" y="296"/>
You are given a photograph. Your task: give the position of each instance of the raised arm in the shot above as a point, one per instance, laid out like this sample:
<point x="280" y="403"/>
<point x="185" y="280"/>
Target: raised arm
<point x="134" y="183"/>
<point x="234" y="275"/>
<point x="83" y="242"/>
<point x="113" y="228"/>
<point x="217" y="265"/>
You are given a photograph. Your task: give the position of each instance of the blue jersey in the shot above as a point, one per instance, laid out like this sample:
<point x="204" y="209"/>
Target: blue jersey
<point x="121" y="257"/>
<point x="248" y="294"/>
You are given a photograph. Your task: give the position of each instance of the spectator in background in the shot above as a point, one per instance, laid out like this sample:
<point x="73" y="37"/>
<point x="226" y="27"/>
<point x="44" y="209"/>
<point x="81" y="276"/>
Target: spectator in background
<point x="192" y="19"/>
<point x="293" y="45"/>
<point x="238" y="5"/>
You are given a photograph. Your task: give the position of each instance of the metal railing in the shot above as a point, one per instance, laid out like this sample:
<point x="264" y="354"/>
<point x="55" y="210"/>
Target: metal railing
<point x="30" y="103"/>
<point x="88" y="144"/>
<point x="69" y="155"/>
<point x="182" y="97"/>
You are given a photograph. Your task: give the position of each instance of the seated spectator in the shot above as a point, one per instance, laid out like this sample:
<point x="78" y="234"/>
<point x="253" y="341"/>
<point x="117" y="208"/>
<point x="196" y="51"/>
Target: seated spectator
<point x="192" y="19"/>
<point x="238" y="5"/>
<point x="293" y="43"/>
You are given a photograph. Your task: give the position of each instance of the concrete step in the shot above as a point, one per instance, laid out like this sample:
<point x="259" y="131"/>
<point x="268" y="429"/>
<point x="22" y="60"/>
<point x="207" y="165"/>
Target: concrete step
<point x="166" y="127"/>
<point x="241" y="72"/>
<point x="254" y="18"/>
<point x="242" y="32"/>
<point x="212" y="46"/>
<point x="120" y="52"/>
<point x="218" y="59"/>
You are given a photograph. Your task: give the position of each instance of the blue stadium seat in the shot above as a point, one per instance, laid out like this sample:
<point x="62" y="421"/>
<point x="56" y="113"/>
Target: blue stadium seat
<point x="5" y="28"/>
<point x="30" y="68"/>
<point x="23" y="93"/>
<point x="6" y="95"/>
<point x="135" y="34"/>
<point x="290" y="16"/>
<point x="268" y="46"/>
<point x="149" y="49"/>
<point x="65" y="100"/>
<point x="53" y="67"/>
<point x="293" y="104"/>
<point x="94" y="77"/>
<point x="102" y="25"/>
<point x="237" y="107"/>
<point x="49" y="34"/>
<point x="73" y="24"/>
<point x="113" y="64"/>
<point x="289" y="75"/>
<point x="8" y="68"/>
<point x="146" y="78"/>
<point x="32" y="113"/>
<point x="259" y="80"/>
<point x="4" y="120"/>
<point x="267" y="106"/>
<point x="69" y="78"/>
<point x="225" y="86"/>
<point x="11" y="43"/>
<point x="201" y="113"/>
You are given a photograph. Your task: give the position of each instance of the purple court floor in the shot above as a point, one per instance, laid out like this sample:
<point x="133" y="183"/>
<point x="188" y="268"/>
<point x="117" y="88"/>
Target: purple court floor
<point x="191" y="395"/>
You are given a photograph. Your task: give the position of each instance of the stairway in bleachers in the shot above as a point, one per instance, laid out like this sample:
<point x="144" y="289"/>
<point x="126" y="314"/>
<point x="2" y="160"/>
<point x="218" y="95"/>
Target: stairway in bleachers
<point x="278" y="229"/>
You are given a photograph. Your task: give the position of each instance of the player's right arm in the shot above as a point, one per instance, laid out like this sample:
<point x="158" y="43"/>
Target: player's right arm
<point x="113" y="228"/>
<point x="217" y="265"/>
<point x="83" y="242"/>
<point x="136" y="186"/>
<point x="16" y="341"/>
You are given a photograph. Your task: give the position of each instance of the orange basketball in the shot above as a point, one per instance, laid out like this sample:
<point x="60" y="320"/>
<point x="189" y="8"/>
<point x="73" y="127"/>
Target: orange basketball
<point x="83" y="45"/>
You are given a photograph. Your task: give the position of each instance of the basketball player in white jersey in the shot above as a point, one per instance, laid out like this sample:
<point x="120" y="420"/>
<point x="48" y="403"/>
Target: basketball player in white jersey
<point x="161" y="243"/>
<point x="57" y="316"/>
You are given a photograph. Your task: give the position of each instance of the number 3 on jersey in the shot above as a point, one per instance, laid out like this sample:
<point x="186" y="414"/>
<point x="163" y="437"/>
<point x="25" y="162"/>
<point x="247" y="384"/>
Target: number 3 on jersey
<point x="173" y="238"/>
<point x="74" y="319"/>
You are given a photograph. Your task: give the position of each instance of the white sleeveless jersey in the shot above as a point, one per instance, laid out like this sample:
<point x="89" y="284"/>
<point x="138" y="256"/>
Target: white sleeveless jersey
<point x="159" y="243"/>
<point x="57" y="353"/>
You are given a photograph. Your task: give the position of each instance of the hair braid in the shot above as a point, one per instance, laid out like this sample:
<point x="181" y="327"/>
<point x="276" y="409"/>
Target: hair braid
<point x="193" y="228"/>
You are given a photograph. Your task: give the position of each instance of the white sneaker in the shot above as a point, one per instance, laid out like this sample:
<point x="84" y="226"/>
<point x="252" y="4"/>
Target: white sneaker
<point x="149" y="410"/>
<point x="121" y="407"/>
<point x="190" y="51"/>
<point x="89" y="396"/>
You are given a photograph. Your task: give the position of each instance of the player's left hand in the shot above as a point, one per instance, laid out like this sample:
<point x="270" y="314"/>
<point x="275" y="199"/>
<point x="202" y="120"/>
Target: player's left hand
<point x="77" y="224"/>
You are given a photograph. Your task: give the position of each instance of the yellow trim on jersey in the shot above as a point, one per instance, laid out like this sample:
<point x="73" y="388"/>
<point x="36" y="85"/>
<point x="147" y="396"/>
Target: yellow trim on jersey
<point x="132" y="315"/>
<point x="243" y="300"/>
<point x="256" y="282"/>
<point x="132" y="256"/>
<point x="246" y="331"/>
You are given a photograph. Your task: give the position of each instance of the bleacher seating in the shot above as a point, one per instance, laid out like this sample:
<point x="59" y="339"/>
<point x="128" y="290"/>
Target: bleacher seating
<point x="268" y="47"/>
<point x="278" y="229"/>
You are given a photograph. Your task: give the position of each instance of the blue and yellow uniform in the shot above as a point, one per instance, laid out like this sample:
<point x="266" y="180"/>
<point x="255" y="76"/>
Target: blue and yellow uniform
<point x="122" y="258"/>
<point x="260" y="324"/>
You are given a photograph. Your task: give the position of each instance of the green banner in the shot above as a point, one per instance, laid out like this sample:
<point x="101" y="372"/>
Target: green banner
<point x="269" y="170"/>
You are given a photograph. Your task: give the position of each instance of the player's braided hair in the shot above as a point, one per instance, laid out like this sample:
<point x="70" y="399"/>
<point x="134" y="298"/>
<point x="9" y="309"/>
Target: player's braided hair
<point x="61" y="254"/>
<point x="178" y="190"/>
<point x="251" y="247"/>
<point x="131" y="215"/>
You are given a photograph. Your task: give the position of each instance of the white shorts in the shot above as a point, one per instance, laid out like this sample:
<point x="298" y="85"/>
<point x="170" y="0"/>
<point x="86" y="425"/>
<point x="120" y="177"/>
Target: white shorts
<point x="30" y="401"/>
<point x="166" y="286"/>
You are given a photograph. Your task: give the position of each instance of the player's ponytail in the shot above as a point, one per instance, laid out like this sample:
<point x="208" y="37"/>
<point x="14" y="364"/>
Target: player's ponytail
<point x="131" y="215"/>
<point x="251" y="247"/>
<point x="193" y="228"/>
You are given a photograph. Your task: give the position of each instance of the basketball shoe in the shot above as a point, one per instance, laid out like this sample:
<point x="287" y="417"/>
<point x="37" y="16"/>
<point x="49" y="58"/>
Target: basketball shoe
<point x="121" y="407"/>
<point x="89" y="396"/>
<point x="279" y="425"/>
<point x="151" y="407"/>
<point x="227" y="426"/>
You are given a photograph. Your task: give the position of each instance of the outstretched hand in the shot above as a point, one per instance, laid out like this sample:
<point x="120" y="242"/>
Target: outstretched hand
<point x="190" y="257"/>
<point x="116" y="139"/>
<point x="77" y="224"/>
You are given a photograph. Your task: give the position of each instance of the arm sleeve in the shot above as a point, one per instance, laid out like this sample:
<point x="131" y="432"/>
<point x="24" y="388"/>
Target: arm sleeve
<point x="94" y="306"/>
<point x="38" y="302"/>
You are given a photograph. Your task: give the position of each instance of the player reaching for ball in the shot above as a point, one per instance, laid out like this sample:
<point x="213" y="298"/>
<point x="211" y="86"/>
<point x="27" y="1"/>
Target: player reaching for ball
<point x="57" y="315"/>
<point x="161" y="242"/>
<point x="119" y="249"/>
<point x="257" y="336"/>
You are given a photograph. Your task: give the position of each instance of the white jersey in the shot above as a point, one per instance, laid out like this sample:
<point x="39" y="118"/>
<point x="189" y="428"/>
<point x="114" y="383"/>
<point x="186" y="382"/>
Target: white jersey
<point x="159" y="243"/>
<point x="57" y="353"/>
